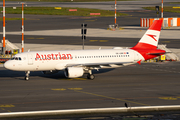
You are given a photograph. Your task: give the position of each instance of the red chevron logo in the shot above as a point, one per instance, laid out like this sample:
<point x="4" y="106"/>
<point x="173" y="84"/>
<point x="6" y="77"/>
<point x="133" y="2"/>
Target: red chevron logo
<point x="152" y="36"/>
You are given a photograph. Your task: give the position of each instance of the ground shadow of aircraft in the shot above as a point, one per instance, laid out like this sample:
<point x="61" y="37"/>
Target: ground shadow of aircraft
<point x="59" y="75"/>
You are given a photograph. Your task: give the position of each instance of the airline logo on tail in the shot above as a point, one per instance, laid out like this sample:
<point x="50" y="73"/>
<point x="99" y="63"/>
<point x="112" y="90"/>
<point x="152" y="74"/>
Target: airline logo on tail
<point x="147" y="46"/>
<point x="152" y="36"/>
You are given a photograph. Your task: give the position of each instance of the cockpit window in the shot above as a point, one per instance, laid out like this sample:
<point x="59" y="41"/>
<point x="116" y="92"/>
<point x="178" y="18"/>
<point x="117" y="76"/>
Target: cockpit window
<point x="12" y="58"/>
<point x="16" y="58"/>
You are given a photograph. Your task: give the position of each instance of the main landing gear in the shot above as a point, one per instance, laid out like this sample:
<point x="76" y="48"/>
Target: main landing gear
<point x="27" y="75"/>
<point x="90" y="75"/>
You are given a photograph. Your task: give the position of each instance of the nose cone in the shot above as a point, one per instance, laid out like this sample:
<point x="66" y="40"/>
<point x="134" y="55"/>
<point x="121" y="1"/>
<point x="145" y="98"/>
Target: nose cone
<point x="8" y="65"/>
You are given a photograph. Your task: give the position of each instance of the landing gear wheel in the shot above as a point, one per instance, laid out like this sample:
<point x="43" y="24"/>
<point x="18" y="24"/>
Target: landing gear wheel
<point x="27" y="75"/>
<point x="90" y="76"/>
<point x="26" y="78"/>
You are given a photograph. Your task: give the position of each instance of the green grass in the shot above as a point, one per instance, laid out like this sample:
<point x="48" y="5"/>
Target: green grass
<point x="63" y="11"/>
<point x="165" y="9"/>
<point x="174" y="2"/>
<point x="63" y="0"/>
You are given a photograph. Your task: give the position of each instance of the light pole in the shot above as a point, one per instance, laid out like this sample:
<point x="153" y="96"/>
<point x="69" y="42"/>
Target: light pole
<point x="115" y="15"/>
<point x="83" y="32"/>
<point x="162" y="9"/>
<point x="4" y="45"/>
<point x="22" y="28"/>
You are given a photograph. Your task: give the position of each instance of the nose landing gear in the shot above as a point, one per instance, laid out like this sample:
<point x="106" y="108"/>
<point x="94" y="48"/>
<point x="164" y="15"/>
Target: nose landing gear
<point x="27" y="75"/>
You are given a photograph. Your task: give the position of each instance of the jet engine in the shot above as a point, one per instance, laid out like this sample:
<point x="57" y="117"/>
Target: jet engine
<point x="73" y="72"/>
<point x="50" y="72"/>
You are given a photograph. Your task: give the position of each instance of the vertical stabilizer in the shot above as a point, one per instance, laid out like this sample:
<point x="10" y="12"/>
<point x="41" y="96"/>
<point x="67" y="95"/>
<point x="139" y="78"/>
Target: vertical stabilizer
<point x="151" y="37"/>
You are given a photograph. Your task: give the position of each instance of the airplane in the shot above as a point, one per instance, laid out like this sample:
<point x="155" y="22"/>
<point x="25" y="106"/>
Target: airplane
<point x="75" y="63"/>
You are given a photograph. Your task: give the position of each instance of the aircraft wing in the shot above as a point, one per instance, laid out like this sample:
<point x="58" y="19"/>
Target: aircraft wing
<point x="100" y="65"/>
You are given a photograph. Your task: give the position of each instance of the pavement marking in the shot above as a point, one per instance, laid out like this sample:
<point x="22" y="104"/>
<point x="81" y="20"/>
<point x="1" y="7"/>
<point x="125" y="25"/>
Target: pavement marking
<point x="40" y="38"/>
<point x="98" y="40"/>
<point x="93" y="40"/>
<point x="176" y="7"/>
<point x="112" y="98"/>
<point x="6" y="106"/>
<point x="103" y="40"/>
<point x="30" y="38"/>
<point x="59" y="89"/>
<point x="5" y="110"/>
<point x="165" y="41"/>
<point x="168" y="98"/>
<point x="75" y="89"/>
<point x="79" y="78"/>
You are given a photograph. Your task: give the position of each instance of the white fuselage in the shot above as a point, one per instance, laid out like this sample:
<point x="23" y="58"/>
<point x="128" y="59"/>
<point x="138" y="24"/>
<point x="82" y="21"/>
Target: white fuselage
<point x="59" y="60"/>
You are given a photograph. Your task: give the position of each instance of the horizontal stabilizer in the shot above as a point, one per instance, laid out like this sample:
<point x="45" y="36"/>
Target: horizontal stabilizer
<point x="156" y="53"/>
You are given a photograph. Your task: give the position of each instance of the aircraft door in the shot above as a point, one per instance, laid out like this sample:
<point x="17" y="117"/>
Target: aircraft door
<point x="30" y="59"/>
<point x="136" y="56"/>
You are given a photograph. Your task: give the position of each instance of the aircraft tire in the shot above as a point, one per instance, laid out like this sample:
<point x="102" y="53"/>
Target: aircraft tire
<point x="26" y="78"/>
<point x="90" y="76"/>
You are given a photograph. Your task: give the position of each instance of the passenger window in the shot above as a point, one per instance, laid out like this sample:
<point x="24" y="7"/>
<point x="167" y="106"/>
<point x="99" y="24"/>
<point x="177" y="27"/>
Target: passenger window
<point x="19" y="58"/>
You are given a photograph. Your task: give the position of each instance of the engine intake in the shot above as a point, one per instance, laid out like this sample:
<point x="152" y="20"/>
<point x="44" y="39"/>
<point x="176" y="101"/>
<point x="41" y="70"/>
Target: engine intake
<point x="73" y="72"/>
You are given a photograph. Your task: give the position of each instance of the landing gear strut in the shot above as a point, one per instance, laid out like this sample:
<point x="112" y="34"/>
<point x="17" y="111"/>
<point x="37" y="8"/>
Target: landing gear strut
<point x="27" y="75"/>
<point x="90" y="75"/>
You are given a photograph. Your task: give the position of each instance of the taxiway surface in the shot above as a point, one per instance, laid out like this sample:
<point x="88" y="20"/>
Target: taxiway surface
<point x="148" y="84"/>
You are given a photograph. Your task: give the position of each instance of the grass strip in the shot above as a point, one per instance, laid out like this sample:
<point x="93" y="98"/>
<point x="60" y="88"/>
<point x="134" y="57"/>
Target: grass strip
<point x="174" y="3"/>
<point x="63" y="11"/>
<point x="1" y="19"/>
<point x="165" y="9"/>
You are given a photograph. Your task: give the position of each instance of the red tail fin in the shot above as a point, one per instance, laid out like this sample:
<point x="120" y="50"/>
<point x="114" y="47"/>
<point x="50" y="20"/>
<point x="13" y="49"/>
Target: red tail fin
<point x="151" y="37"/>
